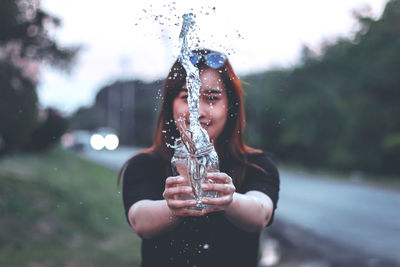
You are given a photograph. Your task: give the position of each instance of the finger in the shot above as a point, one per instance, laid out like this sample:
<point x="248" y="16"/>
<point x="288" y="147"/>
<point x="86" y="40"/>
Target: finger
<point x="223" y="188"/>
<point x="212" y="209"/>
<point x="219" y="201"/>
<point x="220" y="177"/>
<point x="187" y="212"/>
<point x="174" y="180"/>
<point x="171" y="191"/>
<point x="179" y="204"/>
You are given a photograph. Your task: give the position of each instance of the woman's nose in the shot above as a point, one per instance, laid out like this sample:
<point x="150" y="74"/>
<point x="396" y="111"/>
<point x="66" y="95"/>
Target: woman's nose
<point x="203" y="109"/>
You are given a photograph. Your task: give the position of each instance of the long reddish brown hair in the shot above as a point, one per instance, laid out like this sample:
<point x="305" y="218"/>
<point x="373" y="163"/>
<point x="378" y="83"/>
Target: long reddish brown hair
<point x="229" y="145"/>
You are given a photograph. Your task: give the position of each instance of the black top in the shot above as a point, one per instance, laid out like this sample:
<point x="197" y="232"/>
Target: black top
<point x="210" y="240"/>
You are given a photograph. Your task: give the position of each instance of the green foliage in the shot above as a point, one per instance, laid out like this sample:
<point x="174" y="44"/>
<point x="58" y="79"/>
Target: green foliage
<point x="24" y="42"/>
<point x="60" y="210"/>
<point x="48" y="131"/>
<point x="18" y="107"/>
<point x="23" y="28"/>
<point x="339" y="109"/>
<point x="84" y="118"/>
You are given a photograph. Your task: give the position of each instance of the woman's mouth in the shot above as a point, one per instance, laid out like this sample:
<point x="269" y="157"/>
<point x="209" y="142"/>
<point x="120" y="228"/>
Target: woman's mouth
<point x="205" y="124"/>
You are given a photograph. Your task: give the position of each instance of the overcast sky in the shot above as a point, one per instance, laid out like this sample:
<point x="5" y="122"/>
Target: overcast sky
<point x="139" y="39"/>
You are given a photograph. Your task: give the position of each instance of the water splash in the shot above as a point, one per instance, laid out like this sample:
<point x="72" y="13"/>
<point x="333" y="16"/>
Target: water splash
<point x="194" y="154"/>
<point x="197" y="137"/>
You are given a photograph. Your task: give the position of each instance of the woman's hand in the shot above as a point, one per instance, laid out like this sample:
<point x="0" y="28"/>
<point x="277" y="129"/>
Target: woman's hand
<point x="225" y="188"/>
<point x="174" y="189"/>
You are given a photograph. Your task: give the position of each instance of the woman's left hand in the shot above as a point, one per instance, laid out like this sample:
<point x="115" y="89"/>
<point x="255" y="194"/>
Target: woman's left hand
<point x="225" y="188"/>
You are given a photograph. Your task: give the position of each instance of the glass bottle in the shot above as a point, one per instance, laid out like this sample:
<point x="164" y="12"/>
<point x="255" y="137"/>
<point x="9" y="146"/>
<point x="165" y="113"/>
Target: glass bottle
<point x="194" y="168"/>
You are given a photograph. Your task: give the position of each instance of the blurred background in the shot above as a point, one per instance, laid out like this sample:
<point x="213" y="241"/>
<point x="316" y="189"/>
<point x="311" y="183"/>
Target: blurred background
<point x="80" y="86"/>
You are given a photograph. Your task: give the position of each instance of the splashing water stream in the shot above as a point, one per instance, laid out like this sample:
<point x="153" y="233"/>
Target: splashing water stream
<point x="199" y="137"/>
<point x="194" y="146"/>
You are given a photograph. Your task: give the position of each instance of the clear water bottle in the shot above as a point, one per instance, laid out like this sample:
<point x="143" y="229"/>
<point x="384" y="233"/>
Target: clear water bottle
<point x="193" y="167"/>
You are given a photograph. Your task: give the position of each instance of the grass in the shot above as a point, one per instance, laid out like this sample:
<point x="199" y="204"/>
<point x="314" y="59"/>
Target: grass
<point x="60" y="210"/>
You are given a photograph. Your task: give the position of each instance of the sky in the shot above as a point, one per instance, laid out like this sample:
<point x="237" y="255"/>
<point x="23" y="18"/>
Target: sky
<point x="124" y="39"/>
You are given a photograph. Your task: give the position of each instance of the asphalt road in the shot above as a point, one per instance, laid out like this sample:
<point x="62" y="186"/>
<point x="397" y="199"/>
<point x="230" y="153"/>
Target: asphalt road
<point x="355" y="217"/>
<point x="112" y="159"/>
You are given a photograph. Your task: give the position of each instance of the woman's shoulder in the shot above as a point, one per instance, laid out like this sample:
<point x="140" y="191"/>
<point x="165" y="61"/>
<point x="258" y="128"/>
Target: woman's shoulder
<point x="259" y="155"/>
<point x="143" y="159"/>
<point x="264" y="160"/>
<point x="144" y="156"/>
<point x="142" y="165"/>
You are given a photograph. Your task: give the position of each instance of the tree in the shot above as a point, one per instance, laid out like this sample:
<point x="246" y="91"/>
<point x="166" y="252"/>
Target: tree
<point x="18" y="107"/>
<point x="48" y="132"/>
<point x="338" y="109"/>
<point x="24" y="44"/>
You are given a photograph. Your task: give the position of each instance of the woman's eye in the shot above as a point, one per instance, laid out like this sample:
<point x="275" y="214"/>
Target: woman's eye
<point x="184" y="96"/>
<point x="212" y="98"/>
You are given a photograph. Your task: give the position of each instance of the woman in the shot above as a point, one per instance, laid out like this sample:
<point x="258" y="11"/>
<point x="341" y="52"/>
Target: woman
<point x="227" y="234"/>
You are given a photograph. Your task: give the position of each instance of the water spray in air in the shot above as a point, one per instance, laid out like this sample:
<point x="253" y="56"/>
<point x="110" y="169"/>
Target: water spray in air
<point x="194" y="154"/>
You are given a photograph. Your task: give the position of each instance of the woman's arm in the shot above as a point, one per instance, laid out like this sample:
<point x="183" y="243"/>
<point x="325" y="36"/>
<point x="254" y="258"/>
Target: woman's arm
<point x="250" y="212"/>
<point x="150" y="218"/>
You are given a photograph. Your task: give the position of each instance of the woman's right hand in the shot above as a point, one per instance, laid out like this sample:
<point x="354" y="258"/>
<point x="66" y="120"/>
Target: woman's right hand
<point x="174" y="188"/>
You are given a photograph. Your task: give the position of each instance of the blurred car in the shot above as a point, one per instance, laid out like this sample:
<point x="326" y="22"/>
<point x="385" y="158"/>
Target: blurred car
<point x="104" y="138"/>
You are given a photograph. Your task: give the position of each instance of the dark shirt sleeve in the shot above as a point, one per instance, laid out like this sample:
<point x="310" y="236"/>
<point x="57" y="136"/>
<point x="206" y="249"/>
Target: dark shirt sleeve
<point x="266" y="181"/>
<point x="142" y="179"/>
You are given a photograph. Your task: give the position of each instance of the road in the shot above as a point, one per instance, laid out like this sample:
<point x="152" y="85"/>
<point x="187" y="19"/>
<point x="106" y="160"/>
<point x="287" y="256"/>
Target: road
<point x="112" y="159"/>
<point x="357" y="217"/>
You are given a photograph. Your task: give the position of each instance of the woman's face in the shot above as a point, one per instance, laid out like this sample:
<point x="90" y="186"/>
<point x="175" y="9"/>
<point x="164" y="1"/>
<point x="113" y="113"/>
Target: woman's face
<point x="213" y="109"/>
